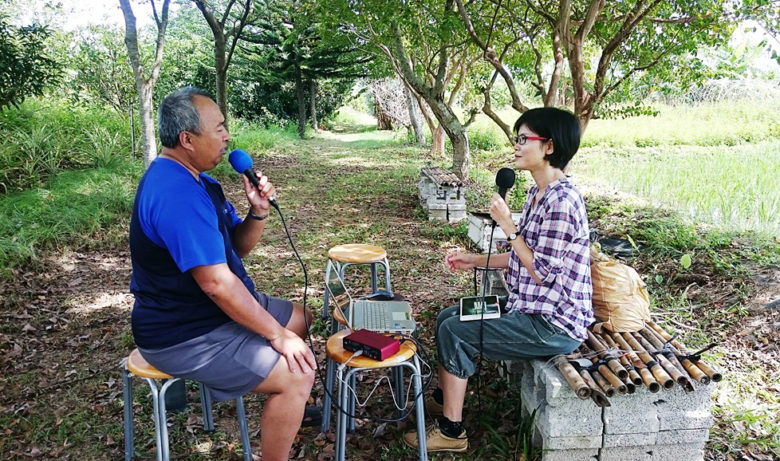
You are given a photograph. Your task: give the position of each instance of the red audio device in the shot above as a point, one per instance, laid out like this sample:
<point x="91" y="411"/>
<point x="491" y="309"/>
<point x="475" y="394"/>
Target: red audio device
<point x="373" y="345"/>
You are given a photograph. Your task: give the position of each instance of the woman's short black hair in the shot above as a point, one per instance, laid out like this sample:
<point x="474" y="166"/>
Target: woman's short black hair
<point x="558" y="125"/>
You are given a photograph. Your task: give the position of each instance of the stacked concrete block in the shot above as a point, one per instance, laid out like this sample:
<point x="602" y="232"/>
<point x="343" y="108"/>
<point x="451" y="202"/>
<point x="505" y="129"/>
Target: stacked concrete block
<point x="480" y="228"/>
<point x="442" y="195"/>
<point x="666" y="426"/>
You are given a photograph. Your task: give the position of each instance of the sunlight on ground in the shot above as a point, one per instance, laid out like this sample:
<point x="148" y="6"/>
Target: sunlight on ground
<point x="384" y="135"/>
<point x="115" y="299"/>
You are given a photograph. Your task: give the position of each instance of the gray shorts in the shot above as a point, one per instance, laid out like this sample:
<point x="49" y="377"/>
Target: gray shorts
<point x="512" y="336"/>
<point x="231" y="360"/>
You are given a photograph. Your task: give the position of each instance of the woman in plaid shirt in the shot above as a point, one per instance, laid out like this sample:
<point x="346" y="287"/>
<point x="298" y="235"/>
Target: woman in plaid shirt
<point x="549" y="306"/>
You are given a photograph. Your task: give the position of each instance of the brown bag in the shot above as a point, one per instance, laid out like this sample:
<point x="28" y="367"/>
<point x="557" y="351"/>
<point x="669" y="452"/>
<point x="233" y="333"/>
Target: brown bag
<point x="620" y="300"/>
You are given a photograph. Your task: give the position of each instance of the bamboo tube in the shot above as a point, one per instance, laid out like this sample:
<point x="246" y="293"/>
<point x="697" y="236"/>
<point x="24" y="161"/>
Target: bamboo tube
<point x="675" y="371"/>
<point x="572" y="377"/>
<point x="644" y="373"/>
<point x="595" y="392"/>
<point x="633" y="376"/>
<point x="630" y="386"/>
<point x="675" y="374"/>
<point x="595" y="344"/>
<point x="695" y="372"/>
<point x="606" y="373"/>
<point x="605" y="386"/>
<point x="712" y="374"/>
<point x="659" y="373"/>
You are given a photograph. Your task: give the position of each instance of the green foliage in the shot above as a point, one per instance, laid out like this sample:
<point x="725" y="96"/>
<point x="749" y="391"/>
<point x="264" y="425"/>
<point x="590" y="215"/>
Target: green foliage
<point x="43" y="139"/>
<point x="26" y="69"/>
<point x="102" y="72"/>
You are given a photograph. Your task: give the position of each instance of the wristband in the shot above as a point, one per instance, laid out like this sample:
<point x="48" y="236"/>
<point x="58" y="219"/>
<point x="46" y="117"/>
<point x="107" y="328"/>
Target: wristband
<point x="256" y="217"/>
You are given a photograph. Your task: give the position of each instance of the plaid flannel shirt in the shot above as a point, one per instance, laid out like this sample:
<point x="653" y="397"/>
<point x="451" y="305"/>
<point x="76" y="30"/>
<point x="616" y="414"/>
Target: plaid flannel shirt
<point x="556" y="231"/>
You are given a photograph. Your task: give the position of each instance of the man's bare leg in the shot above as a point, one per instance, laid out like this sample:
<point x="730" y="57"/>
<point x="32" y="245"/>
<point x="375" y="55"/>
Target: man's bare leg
<point x="283" y="411"/>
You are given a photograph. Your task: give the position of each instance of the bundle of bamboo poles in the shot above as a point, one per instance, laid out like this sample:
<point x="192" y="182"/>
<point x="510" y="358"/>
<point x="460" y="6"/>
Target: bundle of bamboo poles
<point x="619" y="362"/>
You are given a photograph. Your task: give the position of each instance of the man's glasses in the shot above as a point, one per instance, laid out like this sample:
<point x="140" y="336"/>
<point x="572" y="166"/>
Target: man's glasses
<point x="521" y="139"/>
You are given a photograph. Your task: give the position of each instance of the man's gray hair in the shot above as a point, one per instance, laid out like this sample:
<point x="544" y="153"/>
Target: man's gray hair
<point x="177" y="113"/>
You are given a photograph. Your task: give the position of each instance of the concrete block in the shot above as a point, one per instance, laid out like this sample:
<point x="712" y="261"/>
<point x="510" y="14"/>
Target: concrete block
<point x="635" y="453"/>
<point x="571" y="455"/>
<point x="685" y="451"/>
<point x="480" y="228"/>
<point x="630" y="439"/>
<point x="582" y="420"/>
<point x="632" y="413"/>
<point x="678" y="410"/>
<point x="683" y="436"/>
<point x="677" y="452"/>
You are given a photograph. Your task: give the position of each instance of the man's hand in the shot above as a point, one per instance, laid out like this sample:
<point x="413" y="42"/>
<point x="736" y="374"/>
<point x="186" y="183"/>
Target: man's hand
<point x="294" y="349"/>
<point x="259" y="200"/>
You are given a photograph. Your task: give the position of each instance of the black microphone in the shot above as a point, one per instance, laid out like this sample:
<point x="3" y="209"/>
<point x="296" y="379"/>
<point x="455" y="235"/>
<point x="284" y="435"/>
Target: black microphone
<point x="242" y="163"/>
<point x="505" y="179"/>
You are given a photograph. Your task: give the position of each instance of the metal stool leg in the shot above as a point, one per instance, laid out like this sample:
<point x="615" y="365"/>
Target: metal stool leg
<point x="341" y="424"/>
<point x="163" y="418"/>
<point x="158" y="434"/>
<point x="419" y="403"/>
<point x="352" y="399"/>
<point x="127" y="392"/>
<point x="207" y="407"/>
<point x="330" y="371"/>
<point x="244" y="428"/>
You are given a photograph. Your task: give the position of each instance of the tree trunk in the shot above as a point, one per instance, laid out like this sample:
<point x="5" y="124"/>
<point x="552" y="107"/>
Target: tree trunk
<point x="147" y="125"/>
<point x="221" y="67"/>
<point x="301" y="100"/>
<point x="414" y="116"/>
<point x="437" y="141"/>
<point x="313" y="95"/>
<point x="383" y="121"/>
<point x="144" y="85"/>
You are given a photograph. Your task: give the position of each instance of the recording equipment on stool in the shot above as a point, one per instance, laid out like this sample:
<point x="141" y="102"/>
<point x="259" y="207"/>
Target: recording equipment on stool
<point x="242" y="163"/>
<point x="372" y="345"/>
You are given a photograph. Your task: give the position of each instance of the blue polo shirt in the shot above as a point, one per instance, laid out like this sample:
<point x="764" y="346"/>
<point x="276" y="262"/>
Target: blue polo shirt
<point x="178" y="223"/>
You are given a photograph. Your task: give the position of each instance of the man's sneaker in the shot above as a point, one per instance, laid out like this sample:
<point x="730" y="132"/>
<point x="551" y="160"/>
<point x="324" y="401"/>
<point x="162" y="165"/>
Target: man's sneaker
<point x="436" y="441"/>
<point x="433" y="407"/>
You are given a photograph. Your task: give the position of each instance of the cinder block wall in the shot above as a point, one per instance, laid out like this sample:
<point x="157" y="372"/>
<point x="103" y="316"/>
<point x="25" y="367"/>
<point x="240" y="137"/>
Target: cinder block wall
<point x="670" y="425"/>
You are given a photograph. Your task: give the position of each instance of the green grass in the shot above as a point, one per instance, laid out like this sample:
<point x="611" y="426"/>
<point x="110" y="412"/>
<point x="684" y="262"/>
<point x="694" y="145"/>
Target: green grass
<point x="74" y="208"/>
<point x="732" y="187"/>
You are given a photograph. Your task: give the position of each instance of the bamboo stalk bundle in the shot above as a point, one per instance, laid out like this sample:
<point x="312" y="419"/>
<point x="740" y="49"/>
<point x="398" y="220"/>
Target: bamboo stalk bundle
<point x="712" y="374"/>
<point x="623" y="361"/>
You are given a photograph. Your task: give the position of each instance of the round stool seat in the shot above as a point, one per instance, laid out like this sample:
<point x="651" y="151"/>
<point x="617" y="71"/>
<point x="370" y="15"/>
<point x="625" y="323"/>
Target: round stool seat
<point x="138" y="366"/>
<point x="338" y="354"/>
<point x="357" y="253"/>
<point x="338" y="315"/>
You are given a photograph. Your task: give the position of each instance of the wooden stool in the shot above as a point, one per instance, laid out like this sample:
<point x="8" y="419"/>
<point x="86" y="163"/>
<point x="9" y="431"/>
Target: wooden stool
<point x="136" y="365"/>
<point x="356" y="254"/>
<point x="405" y="357"/>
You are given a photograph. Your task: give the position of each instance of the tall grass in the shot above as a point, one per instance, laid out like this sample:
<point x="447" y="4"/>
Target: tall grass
<point x="723" y="123"/>
<point x="42" y="138"/>
<point x="76" y="208"/>
<point x="728" y="186"/>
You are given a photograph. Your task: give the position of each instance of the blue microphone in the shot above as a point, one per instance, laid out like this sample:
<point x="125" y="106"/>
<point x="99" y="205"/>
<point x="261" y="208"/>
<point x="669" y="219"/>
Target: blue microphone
<point x="242" y="163"/>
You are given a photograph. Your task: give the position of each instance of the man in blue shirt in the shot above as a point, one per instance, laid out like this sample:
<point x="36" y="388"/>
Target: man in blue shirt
<point x="196" y="312"/>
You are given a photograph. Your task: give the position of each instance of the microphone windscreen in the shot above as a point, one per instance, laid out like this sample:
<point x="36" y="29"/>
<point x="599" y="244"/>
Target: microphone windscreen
<point x="240" y="161"/>
<point x="505" y="178"/>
